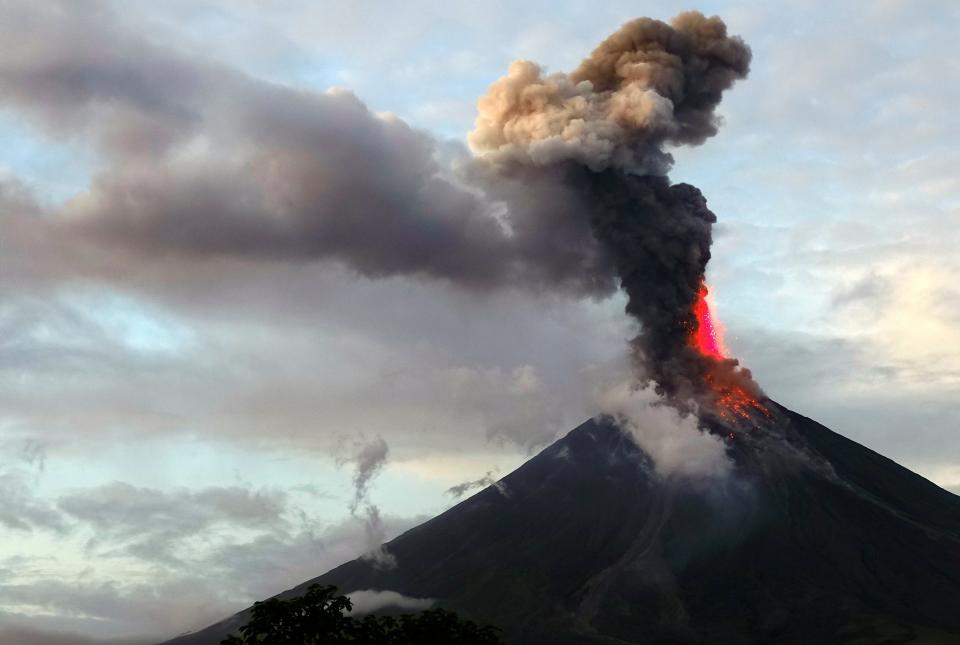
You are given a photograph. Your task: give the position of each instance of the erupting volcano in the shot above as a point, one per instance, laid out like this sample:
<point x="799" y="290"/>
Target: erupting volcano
<point x="801" y="537"/>
<point x="591" y="147"/>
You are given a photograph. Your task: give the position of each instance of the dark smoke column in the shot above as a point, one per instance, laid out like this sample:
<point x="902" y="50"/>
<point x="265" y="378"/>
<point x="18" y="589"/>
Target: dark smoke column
<point x="601" y="133"/>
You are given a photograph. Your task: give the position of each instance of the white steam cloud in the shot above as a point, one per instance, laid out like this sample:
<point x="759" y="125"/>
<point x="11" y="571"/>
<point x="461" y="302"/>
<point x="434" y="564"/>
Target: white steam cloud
<point x="671" y="439"/>
<point x="367" y="601"/>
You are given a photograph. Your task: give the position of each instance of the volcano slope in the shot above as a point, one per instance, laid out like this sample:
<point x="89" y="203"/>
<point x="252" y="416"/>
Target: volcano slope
<point x="813" y="539"/>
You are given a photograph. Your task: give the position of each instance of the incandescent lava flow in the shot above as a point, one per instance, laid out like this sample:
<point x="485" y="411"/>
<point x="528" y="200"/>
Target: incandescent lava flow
<point x="730" y="400"/>
<point x="707" y="338"/>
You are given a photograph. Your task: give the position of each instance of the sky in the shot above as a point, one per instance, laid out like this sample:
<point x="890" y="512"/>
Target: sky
<point x="189" y="422"/>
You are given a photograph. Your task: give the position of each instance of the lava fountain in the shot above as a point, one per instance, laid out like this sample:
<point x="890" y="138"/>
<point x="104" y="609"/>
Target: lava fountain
<point x="731" y="400"/>
<point x="707" y="337"/>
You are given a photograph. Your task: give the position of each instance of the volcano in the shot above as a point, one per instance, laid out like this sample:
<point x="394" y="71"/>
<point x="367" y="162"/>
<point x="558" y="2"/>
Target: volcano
<point x="813" y="539"/>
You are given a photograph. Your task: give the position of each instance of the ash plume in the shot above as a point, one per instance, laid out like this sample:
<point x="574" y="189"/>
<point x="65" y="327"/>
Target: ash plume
<point x="566" y="191"/>
<point x="647" y="84"/>
<point x="602" y="131"/>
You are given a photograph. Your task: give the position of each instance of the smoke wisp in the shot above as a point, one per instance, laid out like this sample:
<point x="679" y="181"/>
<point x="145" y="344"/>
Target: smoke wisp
<point x="368" y="460"/>
<point x="459" y="490"/>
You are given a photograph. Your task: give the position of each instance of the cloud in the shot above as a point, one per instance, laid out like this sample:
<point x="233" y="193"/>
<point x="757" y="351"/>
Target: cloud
<point x="252" y="358"/>
<point x="23" y="510"/>
<point x="273" y="562"/>
<point x="367" y="601"/>
<point x="867" y="291"/>
<point x="280" y="175"/>
<point x="151" y="524"/>
<point x="115" y="610"/>
<point x="903" y="409"/>
<point x="673" y="441"/>
<point x="31" y="636"/>
<point x="158" y="597"/>
<point x="459" y="490"/>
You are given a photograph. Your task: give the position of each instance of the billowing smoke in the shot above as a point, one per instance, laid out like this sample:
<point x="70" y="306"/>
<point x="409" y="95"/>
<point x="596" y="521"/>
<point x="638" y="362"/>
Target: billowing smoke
<point x="673" y="441"/>
<point x="566" y="191"/>
<point x="647" y="84"/>
<point x="602" y="131"/>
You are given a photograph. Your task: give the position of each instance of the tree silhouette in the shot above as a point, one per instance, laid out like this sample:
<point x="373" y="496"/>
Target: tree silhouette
<point x="319" y="617"/>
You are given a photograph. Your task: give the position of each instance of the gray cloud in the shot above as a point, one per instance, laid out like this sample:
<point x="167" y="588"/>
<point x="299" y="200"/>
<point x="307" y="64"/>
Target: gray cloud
<point x="32" y="636"/>
<point x="236" y="570"/>
<point x="869" y="291"/>
<point x="254" y="357"/>
<point x="462" y="489"/>
<point x="273" y="562"/>
<point x="150" y="524"/>
<point x="23" y="511"/>
<point x="221" y="165"/>
<point x="856" y="390"/>
<point x="118" y="610"/>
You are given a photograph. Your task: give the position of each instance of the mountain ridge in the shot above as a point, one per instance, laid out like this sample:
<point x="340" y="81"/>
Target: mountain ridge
<point x="813" y="538"/>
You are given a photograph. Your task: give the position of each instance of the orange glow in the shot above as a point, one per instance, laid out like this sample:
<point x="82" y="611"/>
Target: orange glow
<point x="707" y="338"/>
<point x="731" y="401"/>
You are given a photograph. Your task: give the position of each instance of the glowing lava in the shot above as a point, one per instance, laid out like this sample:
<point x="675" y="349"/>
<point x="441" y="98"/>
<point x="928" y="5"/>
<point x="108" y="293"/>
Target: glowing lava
<point x="707" y="337"/>
<point x="731" y="399"/>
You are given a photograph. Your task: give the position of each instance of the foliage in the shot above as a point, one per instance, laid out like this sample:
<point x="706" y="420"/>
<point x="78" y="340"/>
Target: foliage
<point x="320" y="617"/>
